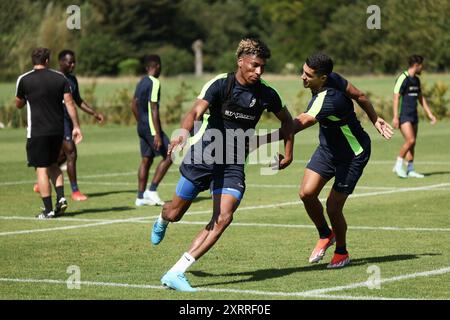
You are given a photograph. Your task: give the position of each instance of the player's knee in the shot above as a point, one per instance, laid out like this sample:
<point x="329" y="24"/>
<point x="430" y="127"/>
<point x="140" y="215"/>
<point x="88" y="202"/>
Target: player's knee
<point x="224" y="220"/>
<point x="306" y="195"/>
<point x="146" y="162"/>
<point x="71" y="155"/>
<point x="411" y="141"/>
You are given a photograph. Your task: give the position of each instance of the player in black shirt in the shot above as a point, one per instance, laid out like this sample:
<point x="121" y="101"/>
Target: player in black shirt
<point x="236" y="102"/>
<point x="43" y="91"/>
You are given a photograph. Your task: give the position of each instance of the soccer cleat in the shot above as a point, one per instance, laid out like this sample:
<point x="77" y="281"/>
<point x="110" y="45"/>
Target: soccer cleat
<point x="177" y="281"/>
<point x="339" y="261"/>
<point x="78" y="196"/>
<point x="143" y="202"/>
<point x="60" y="207"/>
<point x="153" y="197"/>
<point x="36" y="188"/>
<point x="413" y="174"/>
<point x="158" y="232"/>
<point x="400" y="172"/>
<point x="321" y="247"/>
<point x="44" y="216"/>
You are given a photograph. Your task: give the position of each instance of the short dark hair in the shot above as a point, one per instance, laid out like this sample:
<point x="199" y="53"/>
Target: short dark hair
<point x="40" y="55"/>
<point x="251" y="46"/>
<point x="415" y="58"/>
<point x="321" y="63"/>
<point x="65" y="52"/>
<point x="152" y="60"/>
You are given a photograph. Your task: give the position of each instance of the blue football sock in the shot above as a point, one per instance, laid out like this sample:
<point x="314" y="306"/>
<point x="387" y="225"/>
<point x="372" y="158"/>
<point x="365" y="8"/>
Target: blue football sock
<point x="153" y="187"/>
<point x="74" y="187"/>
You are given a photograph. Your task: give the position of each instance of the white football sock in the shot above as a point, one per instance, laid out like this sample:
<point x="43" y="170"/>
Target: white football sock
<point x="161" y="220"/>
<point x="399" y="163"/>
<point x="183" y="264"/>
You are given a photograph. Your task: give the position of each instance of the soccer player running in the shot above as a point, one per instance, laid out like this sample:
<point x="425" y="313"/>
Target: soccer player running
<point x="43" y="91"/>
<point x="406" y="93"/>
<point x="236" y="102"/>
<point x="343" y="151"/>
<point x="154" y="142"/>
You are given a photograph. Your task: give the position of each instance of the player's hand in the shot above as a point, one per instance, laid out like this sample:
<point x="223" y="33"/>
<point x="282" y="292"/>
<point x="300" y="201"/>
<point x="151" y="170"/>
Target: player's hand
<point x="157" y="142"/>
<point x="396" y="123"/>
<point x="433" y="119"/>
<point x="99" y="117"/>
<point x="179" y="142"/>
<point x="76" y="135"/>
<point x="384" y="128"/>
<point x="280" y="162"/>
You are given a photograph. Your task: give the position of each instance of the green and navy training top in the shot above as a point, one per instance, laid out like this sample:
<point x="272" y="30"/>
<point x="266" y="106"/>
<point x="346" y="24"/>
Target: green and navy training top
<point x="340" y="133"/>
<point x="409" y="89"/>
<point x="147" y="90"/>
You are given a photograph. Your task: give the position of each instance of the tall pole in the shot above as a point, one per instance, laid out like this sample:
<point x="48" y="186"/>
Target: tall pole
<point x="197" y="47"/>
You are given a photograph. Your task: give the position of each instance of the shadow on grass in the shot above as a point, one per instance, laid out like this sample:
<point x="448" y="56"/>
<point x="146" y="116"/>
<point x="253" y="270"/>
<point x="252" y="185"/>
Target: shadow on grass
<point x="97" y="210"/>
<point x="436" y="173"/>
<point x="264" y="274"/>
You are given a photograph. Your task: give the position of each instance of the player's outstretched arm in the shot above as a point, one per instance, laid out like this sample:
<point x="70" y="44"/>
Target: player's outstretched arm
<point x="187" y="124"/>
<point x="89" y="110"/>
<point x="363" y="101"/>
<point x="300" y="123"/>
<point x="287" y="130"/>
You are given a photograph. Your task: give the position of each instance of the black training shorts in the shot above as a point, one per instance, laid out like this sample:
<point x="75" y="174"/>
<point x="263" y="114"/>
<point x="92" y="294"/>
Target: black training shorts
<point x="43" y="151"/>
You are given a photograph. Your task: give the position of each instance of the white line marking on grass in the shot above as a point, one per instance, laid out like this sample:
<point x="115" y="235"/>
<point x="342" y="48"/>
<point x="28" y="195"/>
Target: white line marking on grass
<point x="306" y="226"/>
<point x="118" y="174"/>
<point x="392" y="162"/>
<point x="146" y="220"/>
<point x="67" y="227"/>
<point x="387" y="280"/>
<point x="85" y="283"/>
<point x="240" y="209"/>
<point x="296" y="186"/>
<point x="319" y="293"/>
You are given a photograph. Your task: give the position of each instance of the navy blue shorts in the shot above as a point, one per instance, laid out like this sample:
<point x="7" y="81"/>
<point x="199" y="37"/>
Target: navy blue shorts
<point x="408" y="118"/>
<point x="147" y="149"/>
<point x="68" y="127"/>
<point x="346" y="172"/>
<point x="220" y="179"/>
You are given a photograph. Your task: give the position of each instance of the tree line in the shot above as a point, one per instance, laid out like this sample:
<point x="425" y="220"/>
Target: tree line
<point x="116" y="34"/>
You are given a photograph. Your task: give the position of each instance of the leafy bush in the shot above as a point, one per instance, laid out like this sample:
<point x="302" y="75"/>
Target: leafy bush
<point x="129" y="67"/>
<point x="172" y="111"/>
<point x="12" y="117"/>
<point x="99" y="54"/>
<point x="437" y="99"/>
<point x="175" y="61"/>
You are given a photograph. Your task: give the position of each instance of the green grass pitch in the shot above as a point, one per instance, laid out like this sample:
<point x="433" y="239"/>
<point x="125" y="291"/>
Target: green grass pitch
<point x="398" y="227"/>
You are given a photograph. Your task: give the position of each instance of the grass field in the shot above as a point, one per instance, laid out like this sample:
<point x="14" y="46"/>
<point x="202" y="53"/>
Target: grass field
<point x="400" y="226"/>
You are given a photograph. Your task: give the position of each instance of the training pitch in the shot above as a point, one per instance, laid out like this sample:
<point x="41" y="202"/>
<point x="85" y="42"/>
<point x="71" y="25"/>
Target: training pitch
<point x="398" y="236"/>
